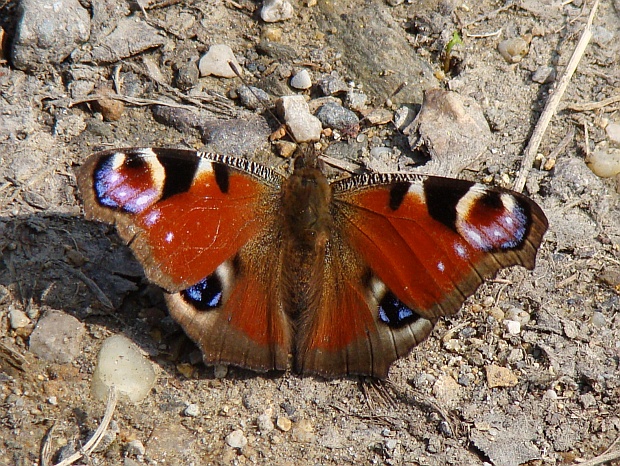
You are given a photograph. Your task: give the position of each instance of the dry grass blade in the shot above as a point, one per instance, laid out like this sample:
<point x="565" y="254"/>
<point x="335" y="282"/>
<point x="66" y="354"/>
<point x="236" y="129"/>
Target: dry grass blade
<point x="608" y="457"/>
<point x="553" y="102"/>
<point x="96" y="438"/>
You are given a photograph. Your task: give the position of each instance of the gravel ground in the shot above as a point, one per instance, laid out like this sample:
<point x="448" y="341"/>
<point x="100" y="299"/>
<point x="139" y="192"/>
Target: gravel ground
<point x="480" y="390"/>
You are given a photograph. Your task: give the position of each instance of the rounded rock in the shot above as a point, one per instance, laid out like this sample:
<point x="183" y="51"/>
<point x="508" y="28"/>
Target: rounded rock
<point x="276" y="10"/>
<point x="121" y="365"/>
<point x="513" y="50"/>
<point x="236" y="439"/>
<point x="301" y="80"/>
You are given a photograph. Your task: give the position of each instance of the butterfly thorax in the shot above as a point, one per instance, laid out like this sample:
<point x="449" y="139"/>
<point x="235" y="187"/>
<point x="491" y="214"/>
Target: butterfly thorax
<point x="306" y="198"/>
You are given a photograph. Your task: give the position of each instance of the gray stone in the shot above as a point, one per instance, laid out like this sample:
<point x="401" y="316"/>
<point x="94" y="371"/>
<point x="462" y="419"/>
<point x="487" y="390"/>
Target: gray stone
<point x="47" y="32"/>
<point x="337" y="117"/>
<point x="130" y="37"/>
<point x="57" y="337"/>
<point x="332" y="84"/>
<point x="135" y="448"/>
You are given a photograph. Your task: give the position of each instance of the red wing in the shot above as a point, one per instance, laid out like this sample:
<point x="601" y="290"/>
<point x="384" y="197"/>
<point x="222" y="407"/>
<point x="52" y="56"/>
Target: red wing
<point x="433" y="240"/>
<point x="182" y="214"/>
<point x="204" y="226"/>
<point x="404" y="251"/>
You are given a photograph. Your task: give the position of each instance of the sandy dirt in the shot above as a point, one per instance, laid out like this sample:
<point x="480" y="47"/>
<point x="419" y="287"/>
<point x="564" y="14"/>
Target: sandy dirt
<point x="558" y="399"/>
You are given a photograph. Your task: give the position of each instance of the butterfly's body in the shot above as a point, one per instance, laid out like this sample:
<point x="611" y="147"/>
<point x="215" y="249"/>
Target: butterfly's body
<point x="342" y="277"/>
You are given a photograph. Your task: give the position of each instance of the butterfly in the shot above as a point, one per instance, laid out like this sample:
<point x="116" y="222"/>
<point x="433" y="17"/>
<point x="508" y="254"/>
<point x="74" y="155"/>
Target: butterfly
<point x="268" y="272"/>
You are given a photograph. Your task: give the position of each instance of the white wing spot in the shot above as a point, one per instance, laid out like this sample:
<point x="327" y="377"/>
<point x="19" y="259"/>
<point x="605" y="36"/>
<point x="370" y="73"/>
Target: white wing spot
<point x="152" y="217"/>
<point x="460" y="250"/>
<point x="169" y="237"/>
<point x="440" y="266"/>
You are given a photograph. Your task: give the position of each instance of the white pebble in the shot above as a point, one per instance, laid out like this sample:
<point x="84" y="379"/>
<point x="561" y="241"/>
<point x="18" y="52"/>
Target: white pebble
<point x="276" y="10"/>
<point x="17" y="318"/>
<point x="121" y="364"/>
<point x="512" y="326"/>
<point x="192" y="410"/>
<point x="613" y="133"/>
<point x="236" y="439"/>
<point x="604" y="162"/>
<point x="303" y="125"/>
<point x="215" y="62"/>
<point x="301" y="80"/>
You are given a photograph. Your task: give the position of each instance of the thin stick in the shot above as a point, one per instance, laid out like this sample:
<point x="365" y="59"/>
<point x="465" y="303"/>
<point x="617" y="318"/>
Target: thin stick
<point x="594" y="105"/>
<point x="553" y="102"/>
<point x="92" y="286"/>
<point x="98" y="435"/>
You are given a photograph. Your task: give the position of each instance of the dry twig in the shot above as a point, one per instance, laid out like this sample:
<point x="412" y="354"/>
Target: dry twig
<point x="553" y="102"/>
<point x="94" y="440"/>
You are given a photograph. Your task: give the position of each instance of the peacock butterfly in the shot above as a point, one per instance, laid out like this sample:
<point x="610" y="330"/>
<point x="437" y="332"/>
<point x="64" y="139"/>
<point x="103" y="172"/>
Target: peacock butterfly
<point x="265" y="271"/>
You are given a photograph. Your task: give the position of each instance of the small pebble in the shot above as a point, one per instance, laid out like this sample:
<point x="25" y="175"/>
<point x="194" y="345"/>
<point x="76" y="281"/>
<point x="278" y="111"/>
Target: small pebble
<point x="135" y="448"/>
<point x="379" y="116"/>
<point x="285" y="148"/>
<point x="356" y="100"/>
<point x="110" y="109"/>
<point x="304" y="126"/>
<point x="215" y="62"/>
<point x="284" y="423"/>
<point x="390" y="444"/>
<point x="236" y="439"/>
<point x="276" y="10"/>
<point x="604" y="162"/>
<point x="613" y="133"/>
<point x="53" y="401"/>
<point x="544" y="75"/>
<point x="587" y="400"/>
<point x="488" y="301"/>
<point x="496" y="313"/>
<point x="303" y="431"/>
<point x="550" y="395"/>
<point x="337" y="117"/>
<point x="17" y="318"/>
<point x="121" y="364"/>
<point x="513" y="50"/>
<point x="498" y="376"/>
<point x="264" y="423"/>
<point x="192" y="410"/>
<point x="512" y="327"/>
<point x="253" y="97"/>
<point x="332" y="84"/>
<point x="220" y="371"/>
<point x="518" y="314"/>
<point x="301" y="80"/>
<point x="598" y="319"/>
<point x="57" y="337"/>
